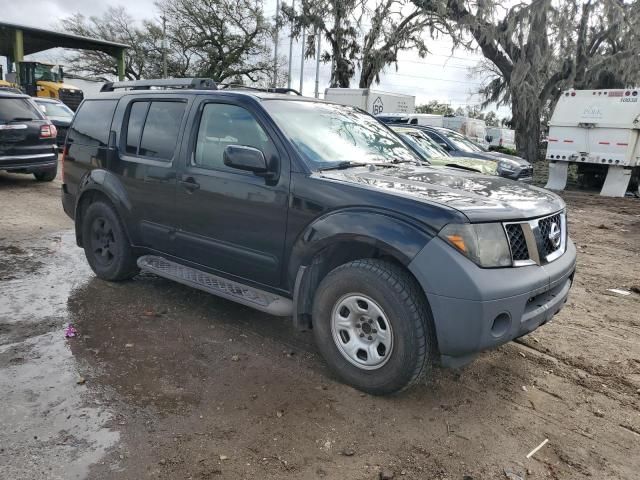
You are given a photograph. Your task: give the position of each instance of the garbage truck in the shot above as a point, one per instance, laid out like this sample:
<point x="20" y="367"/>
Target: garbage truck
<point x="598" y="131"/>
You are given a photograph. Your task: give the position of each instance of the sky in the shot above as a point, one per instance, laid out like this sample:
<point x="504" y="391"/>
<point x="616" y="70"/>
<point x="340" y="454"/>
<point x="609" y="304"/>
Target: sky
<point x="441" y="75"/>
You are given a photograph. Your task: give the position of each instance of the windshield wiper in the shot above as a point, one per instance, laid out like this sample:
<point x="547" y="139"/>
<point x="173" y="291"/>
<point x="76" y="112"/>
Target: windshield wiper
<point x="343" y="165"/>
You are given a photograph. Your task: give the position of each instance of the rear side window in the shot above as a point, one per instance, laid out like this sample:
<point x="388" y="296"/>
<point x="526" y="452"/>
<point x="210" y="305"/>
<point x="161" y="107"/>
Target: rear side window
<point x="153" y="128"/>
<point x="92" y="123"/>
<point x="18" y="109"/>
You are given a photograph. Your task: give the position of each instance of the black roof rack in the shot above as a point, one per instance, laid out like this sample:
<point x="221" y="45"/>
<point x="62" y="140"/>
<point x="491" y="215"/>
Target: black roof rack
<point x="261" y="89"/>
<point x="190" y="83"/>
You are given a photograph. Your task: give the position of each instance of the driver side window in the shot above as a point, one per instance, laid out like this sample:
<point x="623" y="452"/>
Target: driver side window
<point x="222" y="125"/>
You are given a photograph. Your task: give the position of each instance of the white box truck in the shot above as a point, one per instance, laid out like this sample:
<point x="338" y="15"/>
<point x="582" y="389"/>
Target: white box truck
<point x="472" y="128"/>
<point x="597" y="130"/>
<point x="428" y="119"/>
<point x="372" y="101"/>
<point x="501" y="137"/>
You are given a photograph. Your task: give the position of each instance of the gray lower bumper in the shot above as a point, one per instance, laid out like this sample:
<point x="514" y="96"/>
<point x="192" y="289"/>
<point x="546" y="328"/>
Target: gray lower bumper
<point x="29" y="162"/>
<point x="475" y="309"/>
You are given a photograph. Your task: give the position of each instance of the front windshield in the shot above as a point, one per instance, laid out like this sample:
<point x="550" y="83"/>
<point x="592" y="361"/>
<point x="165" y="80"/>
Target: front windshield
<point x="46" y="72"/>
<point x="461" y="142"/>
<point x="55" y="109"/>
<point x="325" y="134"/>
<point x="425" y="145"/>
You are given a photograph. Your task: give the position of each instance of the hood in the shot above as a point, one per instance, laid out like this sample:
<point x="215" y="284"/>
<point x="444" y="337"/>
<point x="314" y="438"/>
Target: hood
<point x="488" y="167"/>
<point x="481" y="198"/>
<point x="55" y="85"/>
<point x="512" y="159"/>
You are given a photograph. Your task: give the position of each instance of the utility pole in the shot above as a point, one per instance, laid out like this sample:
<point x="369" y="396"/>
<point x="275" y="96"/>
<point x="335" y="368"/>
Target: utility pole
<point x="304" y="41"/>
<point x="275" y="47"/>
<point x="318" y="39"/>
<point x="164" y="46"/>
<point x="293" y="9"/>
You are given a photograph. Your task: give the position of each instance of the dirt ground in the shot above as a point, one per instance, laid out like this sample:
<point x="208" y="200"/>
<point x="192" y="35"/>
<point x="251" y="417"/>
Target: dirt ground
<point x="166" y="382"/>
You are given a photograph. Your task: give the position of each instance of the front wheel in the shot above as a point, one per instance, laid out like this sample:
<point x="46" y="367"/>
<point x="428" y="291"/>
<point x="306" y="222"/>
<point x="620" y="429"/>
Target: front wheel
<point x="373" y="327"/>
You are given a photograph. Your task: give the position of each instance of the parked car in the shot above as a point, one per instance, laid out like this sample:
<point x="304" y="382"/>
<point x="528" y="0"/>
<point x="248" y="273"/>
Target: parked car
<point x="435" y="155"/>
<point x="27" y="138"/>
<point x="430" y="119"/>
<point x="59" y="114"/>
<point x="509" y="166"/>
<point x="317" y="211"/>
<point x="457" y="145"/>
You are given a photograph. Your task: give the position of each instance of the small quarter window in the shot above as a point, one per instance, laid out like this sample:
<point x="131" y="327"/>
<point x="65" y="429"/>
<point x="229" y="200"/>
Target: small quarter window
<point x="137" y="115"/>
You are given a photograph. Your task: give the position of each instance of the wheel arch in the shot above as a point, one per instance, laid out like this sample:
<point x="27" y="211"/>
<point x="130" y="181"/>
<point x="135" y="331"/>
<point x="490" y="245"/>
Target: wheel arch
<point x="341" y="237"/>
<point x="101" y="185"/>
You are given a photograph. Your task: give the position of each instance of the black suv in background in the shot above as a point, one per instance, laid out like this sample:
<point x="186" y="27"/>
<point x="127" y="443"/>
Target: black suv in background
<point x="318" y="211"/>
<point x="27" y="138"/>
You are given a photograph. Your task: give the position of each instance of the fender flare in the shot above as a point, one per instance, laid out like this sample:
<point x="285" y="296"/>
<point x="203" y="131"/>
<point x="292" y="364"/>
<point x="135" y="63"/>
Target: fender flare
<point x="107" y="184"/>
<point x="387" y="232"/>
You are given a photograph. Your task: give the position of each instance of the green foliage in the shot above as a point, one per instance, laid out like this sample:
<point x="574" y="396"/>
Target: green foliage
<point x="115" y="25"/>
<point x="435" y="107"/>
<point x="505" y="150"/>
<point x="361" y="34"/>
<point x="227" y="40"/>
<point x="536" y="49"/>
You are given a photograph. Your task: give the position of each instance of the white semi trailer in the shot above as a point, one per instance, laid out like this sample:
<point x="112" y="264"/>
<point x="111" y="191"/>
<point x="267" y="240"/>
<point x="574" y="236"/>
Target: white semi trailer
<point x="373" y="101"/>
<point x="597" y="130"/>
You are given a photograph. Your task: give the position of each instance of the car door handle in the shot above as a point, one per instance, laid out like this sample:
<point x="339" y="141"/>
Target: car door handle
<point x="190" y="184"/>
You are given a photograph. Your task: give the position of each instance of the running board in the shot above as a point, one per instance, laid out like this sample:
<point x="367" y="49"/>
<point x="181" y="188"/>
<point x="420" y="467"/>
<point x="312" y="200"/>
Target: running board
<point x="234" y="291"/>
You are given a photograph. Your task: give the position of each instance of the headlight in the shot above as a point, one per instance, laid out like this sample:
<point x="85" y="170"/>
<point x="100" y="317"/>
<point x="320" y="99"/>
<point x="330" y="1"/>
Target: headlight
<point x="504" y="167"/>
<point x="484" y="243"/>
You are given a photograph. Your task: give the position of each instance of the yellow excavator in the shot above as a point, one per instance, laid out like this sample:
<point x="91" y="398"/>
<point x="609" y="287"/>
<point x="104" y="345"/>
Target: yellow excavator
<point x="40" y="79"/>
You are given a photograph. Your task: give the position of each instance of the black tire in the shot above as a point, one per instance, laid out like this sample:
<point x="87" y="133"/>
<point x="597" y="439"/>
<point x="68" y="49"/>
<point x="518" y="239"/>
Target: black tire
<point x="402" y="301"/>
<point x="106" y="244"/>
<point x="46" y="175"/>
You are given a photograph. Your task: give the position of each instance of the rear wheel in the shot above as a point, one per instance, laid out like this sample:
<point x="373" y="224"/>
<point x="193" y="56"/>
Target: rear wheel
<point x="373" y="327"/>
<point x="46" y="175"/>
<point x="106" y="245"/>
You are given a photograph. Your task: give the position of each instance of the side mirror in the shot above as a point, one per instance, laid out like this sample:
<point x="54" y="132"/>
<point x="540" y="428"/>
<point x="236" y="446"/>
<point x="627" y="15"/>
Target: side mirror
<point x="43" y="109"/>
<point x="444" y="145"/>
<point x="245" y="158"/>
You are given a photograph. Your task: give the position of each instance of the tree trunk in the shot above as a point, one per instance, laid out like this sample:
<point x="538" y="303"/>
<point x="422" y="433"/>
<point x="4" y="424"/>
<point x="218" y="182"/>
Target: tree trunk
<point x="526" y="123"/>
<point x="366" y="76"/>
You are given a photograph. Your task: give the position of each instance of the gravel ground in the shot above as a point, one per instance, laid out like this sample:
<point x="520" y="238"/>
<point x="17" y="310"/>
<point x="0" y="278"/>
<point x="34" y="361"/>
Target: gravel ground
<point x="166" y="382"/>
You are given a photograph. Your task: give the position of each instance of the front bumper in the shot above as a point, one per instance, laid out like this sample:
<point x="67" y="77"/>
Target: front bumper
<point x="475" y="309"/>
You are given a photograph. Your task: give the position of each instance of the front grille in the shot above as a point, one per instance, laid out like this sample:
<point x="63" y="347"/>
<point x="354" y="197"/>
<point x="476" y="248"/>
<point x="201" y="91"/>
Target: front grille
<point x="532" y="241"/>
<point x="517" y="241"/>
<point x="71" y="98"/>
<point x="544" y="226"/>
<point x="526" y="172"/>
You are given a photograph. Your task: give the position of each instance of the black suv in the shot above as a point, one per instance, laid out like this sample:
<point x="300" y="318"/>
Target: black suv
<point x="317" y="211"/>
<point x="27" y="138"/>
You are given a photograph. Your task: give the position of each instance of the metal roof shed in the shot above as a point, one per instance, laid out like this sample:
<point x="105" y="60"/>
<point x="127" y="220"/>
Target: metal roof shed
<point x="16" y="41"/>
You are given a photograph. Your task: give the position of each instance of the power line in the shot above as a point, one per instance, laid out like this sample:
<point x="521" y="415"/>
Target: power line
<point x="422" y="77"/>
